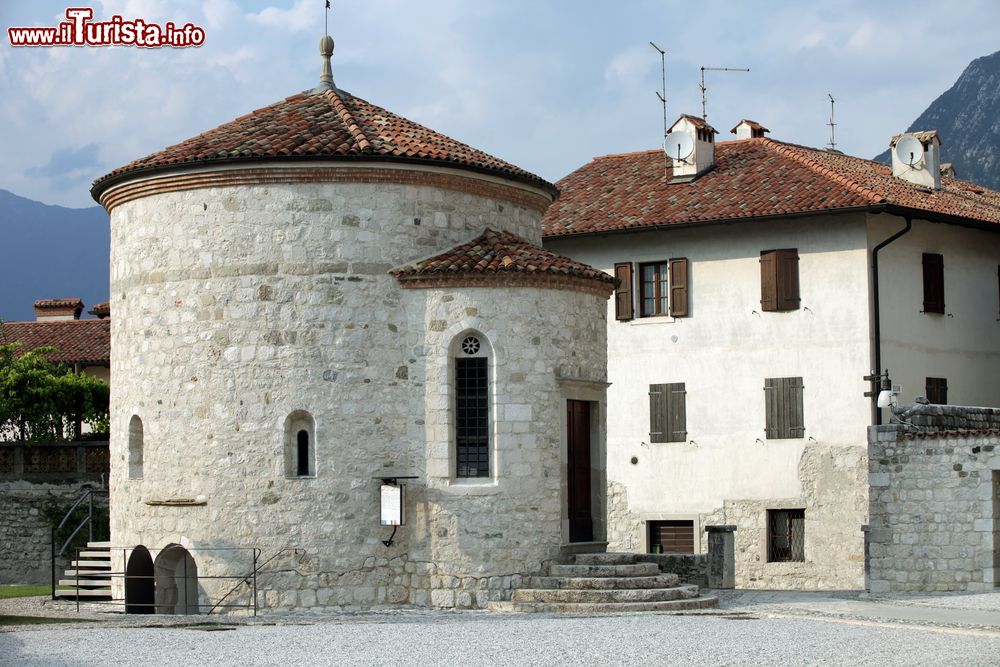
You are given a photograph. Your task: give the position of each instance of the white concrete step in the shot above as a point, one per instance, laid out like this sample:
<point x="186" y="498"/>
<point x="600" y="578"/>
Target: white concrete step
<point x="90" y="594"/>
<point x="604" y="596"/>
<point x="91" y="564"/>
<point x="95" y="554"/>
<point x="87" y="574"/>
<point x="86" y="583"/>
<point x="99" y="545"/>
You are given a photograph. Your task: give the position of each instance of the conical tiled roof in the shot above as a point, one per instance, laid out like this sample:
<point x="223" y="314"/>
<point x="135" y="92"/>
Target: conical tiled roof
<point x="330" y="125"/>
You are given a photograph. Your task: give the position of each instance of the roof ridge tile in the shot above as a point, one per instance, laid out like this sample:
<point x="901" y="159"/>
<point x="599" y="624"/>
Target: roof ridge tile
<point x="347" y="118"/>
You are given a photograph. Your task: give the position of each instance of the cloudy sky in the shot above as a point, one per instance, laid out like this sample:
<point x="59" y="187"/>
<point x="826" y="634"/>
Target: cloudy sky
<point x="545" y="84"/>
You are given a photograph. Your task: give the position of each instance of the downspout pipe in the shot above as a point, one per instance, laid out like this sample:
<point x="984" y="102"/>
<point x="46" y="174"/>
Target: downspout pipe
<point x="877" y="411"/>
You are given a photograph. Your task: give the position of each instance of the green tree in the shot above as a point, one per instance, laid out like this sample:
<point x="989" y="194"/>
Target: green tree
<point x="45" y="401"/>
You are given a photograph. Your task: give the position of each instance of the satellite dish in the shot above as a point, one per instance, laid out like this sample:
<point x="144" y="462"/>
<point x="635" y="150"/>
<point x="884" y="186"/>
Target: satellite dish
<point x="679" y="145"/>
<point x="910" y="151"/>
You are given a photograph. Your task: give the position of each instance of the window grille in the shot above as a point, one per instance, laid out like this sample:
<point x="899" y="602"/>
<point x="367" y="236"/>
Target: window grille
<point x="472" y="423"/>
<point x="786" y="535"/>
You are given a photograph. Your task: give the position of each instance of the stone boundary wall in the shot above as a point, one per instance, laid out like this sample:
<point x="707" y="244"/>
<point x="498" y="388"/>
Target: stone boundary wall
<point x="25" y="531"/>
<point x="934" y="500"/>
<point x="54" y="462"/>
<point x="690" y="568"/>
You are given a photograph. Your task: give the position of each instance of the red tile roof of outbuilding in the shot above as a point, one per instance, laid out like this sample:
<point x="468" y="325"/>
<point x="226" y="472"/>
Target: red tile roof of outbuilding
<point x="498" y="253"/>
<point x="332" y="125"/>
<point x="78" y="341"/>
<point x="752" y="178"/>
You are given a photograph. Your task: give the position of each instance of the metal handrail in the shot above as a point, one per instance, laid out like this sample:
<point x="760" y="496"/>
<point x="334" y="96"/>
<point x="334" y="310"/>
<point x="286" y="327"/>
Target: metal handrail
<point x="88" y="497"/>
<point x="251" y="579"/>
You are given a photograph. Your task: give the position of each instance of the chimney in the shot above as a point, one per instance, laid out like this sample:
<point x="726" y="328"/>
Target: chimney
<point x="948" y="169"/>
<point x="916" y="158"/>
<point x="749" y="129"/>
<point x="53" y="310"/>
<point x="691" y="147"/>
<point x="101" y="310"/>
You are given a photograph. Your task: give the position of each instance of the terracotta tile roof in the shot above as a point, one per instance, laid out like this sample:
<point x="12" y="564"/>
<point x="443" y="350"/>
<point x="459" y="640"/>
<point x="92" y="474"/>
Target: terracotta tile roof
<point x="752" y="178"/>
<point x="497" y="253"/>
<point x="332" y="125"/>
<point x="78" y="341"/>
<point x="59" y="303"/>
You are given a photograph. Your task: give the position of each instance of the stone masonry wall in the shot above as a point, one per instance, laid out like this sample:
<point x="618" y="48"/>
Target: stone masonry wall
<point x="935" y="500"/>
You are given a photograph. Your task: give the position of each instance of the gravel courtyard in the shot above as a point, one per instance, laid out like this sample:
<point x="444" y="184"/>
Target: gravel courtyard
<point x="752" y="629"/>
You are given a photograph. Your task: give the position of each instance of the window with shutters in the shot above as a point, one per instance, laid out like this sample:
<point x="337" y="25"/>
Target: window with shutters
<point x="671" y="537"/>
<point x="472" y="408"/>
<point x="300" y="445"/>
<point x="786" y="535"/>
<point x="783" y="406"/>
<point x="933" y="283"/>
<point x="663" y="288"/>
<point x="667" y="412"/>
<point x="937" y="391"/>
<point x="779" y="280"/>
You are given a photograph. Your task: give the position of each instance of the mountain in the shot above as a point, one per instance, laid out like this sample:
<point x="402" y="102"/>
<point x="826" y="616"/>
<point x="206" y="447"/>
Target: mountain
<point x="50" y="252"/>
<point x="967" y="118"/>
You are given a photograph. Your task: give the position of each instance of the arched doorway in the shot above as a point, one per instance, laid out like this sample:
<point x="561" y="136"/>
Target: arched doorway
<point x="139" y="597"/>
<point x="176" y="577"/>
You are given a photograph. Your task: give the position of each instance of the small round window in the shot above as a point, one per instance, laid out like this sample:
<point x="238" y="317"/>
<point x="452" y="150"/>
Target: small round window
<point x="470" y="345"/>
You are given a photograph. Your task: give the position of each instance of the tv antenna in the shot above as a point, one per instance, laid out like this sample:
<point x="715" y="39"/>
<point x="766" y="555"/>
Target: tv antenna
<point x="832" y="124"/>
<point x="663" y="100"/>
<point x="704" y="90"/>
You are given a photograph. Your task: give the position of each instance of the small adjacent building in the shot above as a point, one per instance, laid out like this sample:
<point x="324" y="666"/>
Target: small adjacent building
<point x="759" y="284"/>
<point x="315" y="304"/>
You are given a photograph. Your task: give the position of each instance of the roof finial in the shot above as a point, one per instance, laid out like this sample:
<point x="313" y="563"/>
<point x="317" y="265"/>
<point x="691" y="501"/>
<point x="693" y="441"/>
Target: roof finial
<point x="326" y="52"/>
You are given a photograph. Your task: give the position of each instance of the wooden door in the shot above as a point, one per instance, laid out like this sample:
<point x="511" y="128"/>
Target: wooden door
<point x="581" y="523"/>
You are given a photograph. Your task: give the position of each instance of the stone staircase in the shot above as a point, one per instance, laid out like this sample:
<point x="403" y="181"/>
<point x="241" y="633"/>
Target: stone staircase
<point x="88" y="577"/>
<point x="604" y="582"/>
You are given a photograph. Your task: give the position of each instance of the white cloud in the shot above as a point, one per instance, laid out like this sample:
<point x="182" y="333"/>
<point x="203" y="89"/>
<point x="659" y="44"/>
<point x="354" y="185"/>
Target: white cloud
<point x="303" y="15"/>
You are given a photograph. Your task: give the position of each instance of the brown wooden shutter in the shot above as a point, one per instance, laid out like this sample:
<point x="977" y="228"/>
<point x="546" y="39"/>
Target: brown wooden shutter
<point x="658" y="394"/>
<point x="673" y="537"/>
<point x="783" y="408"/>
<point x="679" y="287"/>
<point x="768" y="281"/>
<point x="787" y="266"/>
<point x="623" y="292"/>
<point x="933" y="283"/>
<point x="676" y="412"/>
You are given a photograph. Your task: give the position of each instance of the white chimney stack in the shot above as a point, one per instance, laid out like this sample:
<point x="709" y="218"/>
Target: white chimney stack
<point x="749" y="129"/>
<point x="691" y="147"/>
<point x="916" y="158"/>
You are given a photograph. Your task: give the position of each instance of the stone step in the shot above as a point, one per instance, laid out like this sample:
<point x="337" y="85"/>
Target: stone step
<point x="634" y="570"/>
<point x="603" y="583"/>
<point x="88" y="574"/>
<point x="96" y="554"/>
<point x="604" y="608"/>
<point x="99" y="545"/>
<point x="604" y="596"/>
<point x="604" y="559"/>
<point x="95" y="594"/>
<point x="91" y="564"/>
<point x="86" y="583"/>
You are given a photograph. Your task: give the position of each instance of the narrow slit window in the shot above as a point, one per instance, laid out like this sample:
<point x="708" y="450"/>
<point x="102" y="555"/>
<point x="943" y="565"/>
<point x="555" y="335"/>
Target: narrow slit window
<point x="302" y="446"/>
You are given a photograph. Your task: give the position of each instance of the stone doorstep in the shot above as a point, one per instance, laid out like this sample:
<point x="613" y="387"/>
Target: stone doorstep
<point x="602" y="583"/>
<point x="598" y="607"/>
<point x="614" y="596"/>
<point x="604" y="559"/>
<point x="633" y="570"/>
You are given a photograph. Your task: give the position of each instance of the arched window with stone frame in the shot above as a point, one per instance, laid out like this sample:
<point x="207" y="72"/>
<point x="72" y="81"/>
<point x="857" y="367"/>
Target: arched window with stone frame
<point x="471" y="405"/>
<point x="135" y="447"/>
<point x="300" y="445"/>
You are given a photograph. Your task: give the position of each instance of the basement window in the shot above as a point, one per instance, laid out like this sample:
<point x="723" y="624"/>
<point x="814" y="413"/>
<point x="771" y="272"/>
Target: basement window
<point x="786" y="535"/>
<point x="671" y="537"/>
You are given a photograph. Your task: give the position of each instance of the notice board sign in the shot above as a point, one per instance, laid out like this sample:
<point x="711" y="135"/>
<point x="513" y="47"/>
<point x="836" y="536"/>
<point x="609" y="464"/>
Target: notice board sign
<point x="392" y="505"/>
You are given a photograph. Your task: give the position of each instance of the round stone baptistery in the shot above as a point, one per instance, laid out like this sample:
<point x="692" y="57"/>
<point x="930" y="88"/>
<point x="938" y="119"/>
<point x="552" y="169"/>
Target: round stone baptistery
<point x="320" y="299"/>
